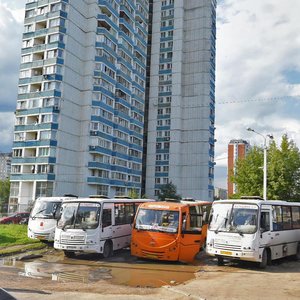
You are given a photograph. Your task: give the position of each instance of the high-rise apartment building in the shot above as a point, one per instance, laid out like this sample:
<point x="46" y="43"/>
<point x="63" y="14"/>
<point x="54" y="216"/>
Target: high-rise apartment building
<point x="80" y="107"/>
<point x="181" y="116"/>
<point x="5" y="165"/>
<point x="237" y="149"/>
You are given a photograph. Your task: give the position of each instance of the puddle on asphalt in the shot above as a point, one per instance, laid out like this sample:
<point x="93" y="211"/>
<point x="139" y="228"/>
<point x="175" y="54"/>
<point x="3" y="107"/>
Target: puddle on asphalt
<point x="143" y="274"/>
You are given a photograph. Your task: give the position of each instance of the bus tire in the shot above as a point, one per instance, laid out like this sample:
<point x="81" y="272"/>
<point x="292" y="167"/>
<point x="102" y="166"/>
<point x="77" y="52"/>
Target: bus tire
<point x="107" y="249"/>
<point x="220" y="261"/>
<point x="264" y="259"/>
<point x="297" y="256"/>
<point x="203" y="248"/>
<point x="69" y="254"/>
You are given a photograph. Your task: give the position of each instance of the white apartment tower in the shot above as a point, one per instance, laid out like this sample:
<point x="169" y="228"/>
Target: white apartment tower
<point x="80" y="107"/>
<point x="181" y="116"/>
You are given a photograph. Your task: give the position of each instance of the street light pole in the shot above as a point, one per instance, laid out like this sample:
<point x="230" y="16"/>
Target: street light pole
<point x="265" y="160"/>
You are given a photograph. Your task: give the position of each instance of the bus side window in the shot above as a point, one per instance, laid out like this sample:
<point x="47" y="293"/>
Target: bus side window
<point x="296" y="217"/>
<point x="183" y="222"/>
<point x="106" y="217"/>
<point x="277" y="218"/>
<point x="265" y="221"/>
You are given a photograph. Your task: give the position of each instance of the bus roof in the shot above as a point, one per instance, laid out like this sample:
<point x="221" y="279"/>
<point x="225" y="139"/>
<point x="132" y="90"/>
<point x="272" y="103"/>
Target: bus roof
<point x="170" y="205"/>
<point x="51" y="199"/>
<point x="257" y="201"/>
<point x="109" y="200"/>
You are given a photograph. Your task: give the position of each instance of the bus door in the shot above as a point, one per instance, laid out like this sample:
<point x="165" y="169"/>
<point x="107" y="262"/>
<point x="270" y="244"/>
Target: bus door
<point x="265" y="233"/>
<point x="107" y="221"/>
<point x="191" y="238"/>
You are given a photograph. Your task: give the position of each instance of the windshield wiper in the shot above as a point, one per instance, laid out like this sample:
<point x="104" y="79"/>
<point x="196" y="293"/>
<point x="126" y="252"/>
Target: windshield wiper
<point x="33" y="217"/>
<point x="67" y="223"/>
<point x="221" y="224"/>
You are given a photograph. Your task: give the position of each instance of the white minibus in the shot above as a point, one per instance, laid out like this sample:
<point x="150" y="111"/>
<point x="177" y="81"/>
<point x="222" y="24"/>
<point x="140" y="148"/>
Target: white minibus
<point x="254" y="230"/>
<point x="43" y="217"/>
<point x="95" y="225"/>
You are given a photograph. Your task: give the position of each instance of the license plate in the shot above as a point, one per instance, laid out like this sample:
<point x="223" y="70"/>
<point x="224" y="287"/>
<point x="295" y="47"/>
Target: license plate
<point x="151" y="256"/>
<point x="226" y="252"/>
<point x="40" y="237"/>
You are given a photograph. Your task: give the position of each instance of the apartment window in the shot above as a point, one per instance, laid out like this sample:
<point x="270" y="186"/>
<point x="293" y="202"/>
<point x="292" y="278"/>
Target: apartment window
<point x="26" y="58"/>
<point x="55" y="53"/>
<point x="16" y="169"/>
<point x="18" y="153"/>
<point x="58" y="6"/>
<point x="14" y="189"/>
<point x="30" y="13"/>
<point x="55" y="38"/>
<point x="44" y="189"/>
<point x="45" y="135"/>
<point x="102" y="190"/>
<point x="43" y="151"/>
<point x="54" y="22"/>
<point x="28" y="28"/>
<point x="23" y="89"/>
<point x="19" y="136"/>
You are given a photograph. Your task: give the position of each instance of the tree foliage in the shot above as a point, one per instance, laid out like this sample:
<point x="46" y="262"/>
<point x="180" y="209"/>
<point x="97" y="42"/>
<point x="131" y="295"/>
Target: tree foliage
<point x="283" y="172"/>
<point x="168" y="190"/>
<point x="4" y="194"/>
<point x="134" y="194"/>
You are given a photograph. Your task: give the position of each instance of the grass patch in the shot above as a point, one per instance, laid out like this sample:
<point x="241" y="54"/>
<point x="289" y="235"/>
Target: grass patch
<point x="13" y="235"/>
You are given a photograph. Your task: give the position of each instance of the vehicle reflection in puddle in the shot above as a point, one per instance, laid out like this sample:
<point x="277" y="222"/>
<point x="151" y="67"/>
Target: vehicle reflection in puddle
<point x="136" y="274"/>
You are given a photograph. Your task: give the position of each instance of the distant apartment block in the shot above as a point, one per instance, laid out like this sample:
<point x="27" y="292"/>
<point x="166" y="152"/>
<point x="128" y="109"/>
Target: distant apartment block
<point x="80" y="108"/>
<point x="5" y="165"/>
<point x="181" y="115"/>
<point x="237" y="149"/>
<point x="220" y="193"/>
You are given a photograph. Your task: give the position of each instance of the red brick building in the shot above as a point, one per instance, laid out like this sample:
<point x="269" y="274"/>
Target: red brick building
<point x="237" y="149"/>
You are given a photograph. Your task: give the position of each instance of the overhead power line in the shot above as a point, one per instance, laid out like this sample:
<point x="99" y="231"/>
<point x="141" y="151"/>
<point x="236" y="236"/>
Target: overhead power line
<point x="280" y="98"/>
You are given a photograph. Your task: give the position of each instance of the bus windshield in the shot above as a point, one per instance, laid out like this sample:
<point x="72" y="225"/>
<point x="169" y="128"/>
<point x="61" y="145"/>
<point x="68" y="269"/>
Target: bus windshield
<point x="45" y="209"/>
<point x="157" y="220"/>
<point x="79" y="216"/>
<point x="238" y="218"/>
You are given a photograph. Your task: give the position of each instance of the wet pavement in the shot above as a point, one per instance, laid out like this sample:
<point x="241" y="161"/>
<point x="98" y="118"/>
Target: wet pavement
<point x="121" y="269"/>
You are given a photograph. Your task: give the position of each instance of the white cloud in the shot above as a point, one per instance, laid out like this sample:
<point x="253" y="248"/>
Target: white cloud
<point x="256" y="42"/>
<point x="11" y="25"/>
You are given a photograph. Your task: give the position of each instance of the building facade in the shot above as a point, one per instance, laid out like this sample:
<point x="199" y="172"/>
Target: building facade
<point x="237" y="149"/>
<point x="5" y="165"/>
<point x="80" y="107"/>
<point x="180" y="136"/>
<point x="220" y="193"/>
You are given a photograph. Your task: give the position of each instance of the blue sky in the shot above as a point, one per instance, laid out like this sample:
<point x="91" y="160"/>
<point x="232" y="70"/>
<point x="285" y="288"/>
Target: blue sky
<point x="258" y="58"/>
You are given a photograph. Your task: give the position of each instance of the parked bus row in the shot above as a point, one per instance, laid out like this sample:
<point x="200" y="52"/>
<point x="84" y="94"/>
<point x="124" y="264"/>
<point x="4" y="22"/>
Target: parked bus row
<point x="245" y="229"/>
<point x="162" y="230"/>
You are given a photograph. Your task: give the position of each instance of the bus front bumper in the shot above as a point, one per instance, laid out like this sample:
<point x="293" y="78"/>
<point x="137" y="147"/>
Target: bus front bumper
<point x="77" y="248"/>
<point x="247" y="255"/>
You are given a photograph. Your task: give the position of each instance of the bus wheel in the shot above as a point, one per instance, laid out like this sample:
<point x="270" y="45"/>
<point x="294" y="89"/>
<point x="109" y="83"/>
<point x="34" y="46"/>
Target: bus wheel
<point x="69" y="254"/>
<point x="264" y="260"/>
<point x="203" y="248"/>
<point x="220" y="261"/>
<point x="298" y="252"/>
<point x="107" y="249"/>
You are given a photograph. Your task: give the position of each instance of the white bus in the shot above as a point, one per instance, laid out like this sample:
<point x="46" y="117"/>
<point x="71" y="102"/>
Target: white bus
<point x="95" y="225"/>
<point x="43" y="217"/>
<point x="254" y="230"/>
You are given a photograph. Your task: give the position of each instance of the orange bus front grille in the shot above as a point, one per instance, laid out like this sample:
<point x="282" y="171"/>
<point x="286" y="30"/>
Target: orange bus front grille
<point x="153" y="254"/>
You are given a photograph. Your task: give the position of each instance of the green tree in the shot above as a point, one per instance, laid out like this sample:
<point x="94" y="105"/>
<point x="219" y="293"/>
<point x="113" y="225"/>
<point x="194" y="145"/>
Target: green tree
<point x="283" y="172"/>
<point x="4" y="194"/>
<point x="168" y="190"/>
<point x="133" y="194"/>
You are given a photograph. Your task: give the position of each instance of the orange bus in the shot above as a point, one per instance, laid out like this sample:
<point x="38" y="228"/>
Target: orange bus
<point x="170" y="230"/>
